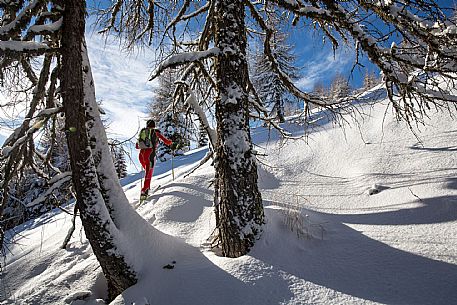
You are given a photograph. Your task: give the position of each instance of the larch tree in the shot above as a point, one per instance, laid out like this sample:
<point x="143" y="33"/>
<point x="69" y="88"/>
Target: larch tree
<point x="99" y="195"/>
<point x="163" y="95"/>
<point x="370" y="80"/>
<point x="208" y="40"/>
<point x="174" y="126"/>
<point x="339" y="88"/>
<point x="266" y="81"/>
<point x="55" y="30"/>
<point x="171" y="118"/>
<point x="238" y="203"/>
<point x="22" y="84"/>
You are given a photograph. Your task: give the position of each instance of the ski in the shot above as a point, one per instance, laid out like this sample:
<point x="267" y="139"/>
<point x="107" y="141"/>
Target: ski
<point x="143" y="199"/>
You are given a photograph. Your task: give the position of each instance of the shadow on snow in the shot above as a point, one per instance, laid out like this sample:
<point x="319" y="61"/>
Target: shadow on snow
<point x="354" y="264"/>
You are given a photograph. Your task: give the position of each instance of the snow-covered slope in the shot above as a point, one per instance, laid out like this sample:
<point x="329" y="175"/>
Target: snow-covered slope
<point x="396" y="246"/>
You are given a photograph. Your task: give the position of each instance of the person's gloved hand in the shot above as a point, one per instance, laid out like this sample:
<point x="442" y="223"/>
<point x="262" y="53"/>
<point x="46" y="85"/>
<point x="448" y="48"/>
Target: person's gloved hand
<point x="175" y="146"/>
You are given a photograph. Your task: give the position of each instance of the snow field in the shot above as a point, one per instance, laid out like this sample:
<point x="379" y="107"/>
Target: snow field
<point x="396" y="246"/>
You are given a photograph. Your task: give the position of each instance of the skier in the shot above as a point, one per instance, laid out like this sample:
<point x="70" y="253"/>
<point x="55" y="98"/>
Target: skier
<point x="147" y="144"/>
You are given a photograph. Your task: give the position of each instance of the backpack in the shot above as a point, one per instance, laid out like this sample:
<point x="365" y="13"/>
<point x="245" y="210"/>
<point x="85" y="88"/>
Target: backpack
<point x="147" y="139"/>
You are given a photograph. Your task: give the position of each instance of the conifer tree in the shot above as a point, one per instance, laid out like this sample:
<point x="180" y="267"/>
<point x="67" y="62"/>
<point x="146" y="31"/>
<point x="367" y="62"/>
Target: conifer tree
<point x="170" y="116"/>
<point x="174" y="127"/>
<point x="320" y="89"/>
<point x="370" y="80"/>
<point x="339" y="87"/>
<point x="266" y="81"/>
<point x="120" y="164"/>
<point x="55" y="31"/>
<point x="163" y="96"/>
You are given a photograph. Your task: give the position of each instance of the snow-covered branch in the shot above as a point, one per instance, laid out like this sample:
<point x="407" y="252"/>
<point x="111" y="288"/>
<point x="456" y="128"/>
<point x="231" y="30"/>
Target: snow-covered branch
<point x="428" y="45"/>
<point x="21" y="47"/>
<point x="46" y="29"/>
<point x="55" y="183"/>
<point x="197" y="12"/>
<point x="287" y="82"/>
<point x="192" y="101"/>
<point x="39" y="122"/>
<point x="38" y="95"/>
<point x="15" y="26"/>
<point x="184" y="58"/>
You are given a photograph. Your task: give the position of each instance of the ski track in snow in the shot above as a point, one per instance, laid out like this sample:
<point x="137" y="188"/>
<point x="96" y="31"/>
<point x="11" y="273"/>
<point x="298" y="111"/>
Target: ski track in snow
<point x="394" y="247"/>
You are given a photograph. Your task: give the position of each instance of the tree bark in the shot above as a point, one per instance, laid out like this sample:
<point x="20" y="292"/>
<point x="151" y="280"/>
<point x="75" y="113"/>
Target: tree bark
<point x="98" y="225"/>
<point x="238" y="203"/>
<point x="279" y="106"/>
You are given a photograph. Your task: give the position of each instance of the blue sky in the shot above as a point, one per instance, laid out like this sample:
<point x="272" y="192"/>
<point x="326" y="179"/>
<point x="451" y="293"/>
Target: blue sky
<point x="320" y="64"/>
<point x="318" y="61"/>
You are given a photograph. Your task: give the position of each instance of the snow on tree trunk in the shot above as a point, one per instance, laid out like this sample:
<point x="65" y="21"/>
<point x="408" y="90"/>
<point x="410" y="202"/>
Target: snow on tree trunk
<point x="111" y="189"/>
<point x="239" y="210"/>
<point x="98" y="225"/>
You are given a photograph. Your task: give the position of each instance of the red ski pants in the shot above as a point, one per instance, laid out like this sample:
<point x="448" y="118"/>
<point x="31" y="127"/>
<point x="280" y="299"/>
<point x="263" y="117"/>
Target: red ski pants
<point x="148" y="166"/>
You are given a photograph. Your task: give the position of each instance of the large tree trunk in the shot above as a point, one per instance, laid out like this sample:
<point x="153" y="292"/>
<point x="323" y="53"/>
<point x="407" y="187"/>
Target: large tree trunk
<point x="239" y="210"/>
<point x="111" y="190"/>
<point x="98" y="225"/>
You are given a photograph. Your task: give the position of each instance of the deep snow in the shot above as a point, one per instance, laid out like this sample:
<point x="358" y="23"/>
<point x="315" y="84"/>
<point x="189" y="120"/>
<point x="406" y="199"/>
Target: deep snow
<point x="394" y="247"/>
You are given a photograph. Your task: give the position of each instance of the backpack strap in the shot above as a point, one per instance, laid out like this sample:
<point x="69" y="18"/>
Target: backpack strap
<point x="153" y="139"/>
<point x="144" y="140"/>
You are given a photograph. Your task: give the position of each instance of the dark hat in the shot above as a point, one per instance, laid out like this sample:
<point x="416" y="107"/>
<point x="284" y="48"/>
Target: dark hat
<point x="150" y="123"/>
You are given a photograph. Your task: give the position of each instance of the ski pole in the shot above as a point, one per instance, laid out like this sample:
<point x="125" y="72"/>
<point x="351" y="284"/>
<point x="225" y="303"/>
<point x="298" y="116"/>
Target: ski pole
<point x="172" y="167"/>
<point x="141" y="184"/>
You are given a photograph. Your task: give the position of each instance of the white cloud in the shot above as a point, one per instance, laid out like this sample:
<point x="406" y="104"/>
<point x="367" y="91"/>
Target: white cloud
<point x="121" y="83"/>
<point x="323" y="66"/>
